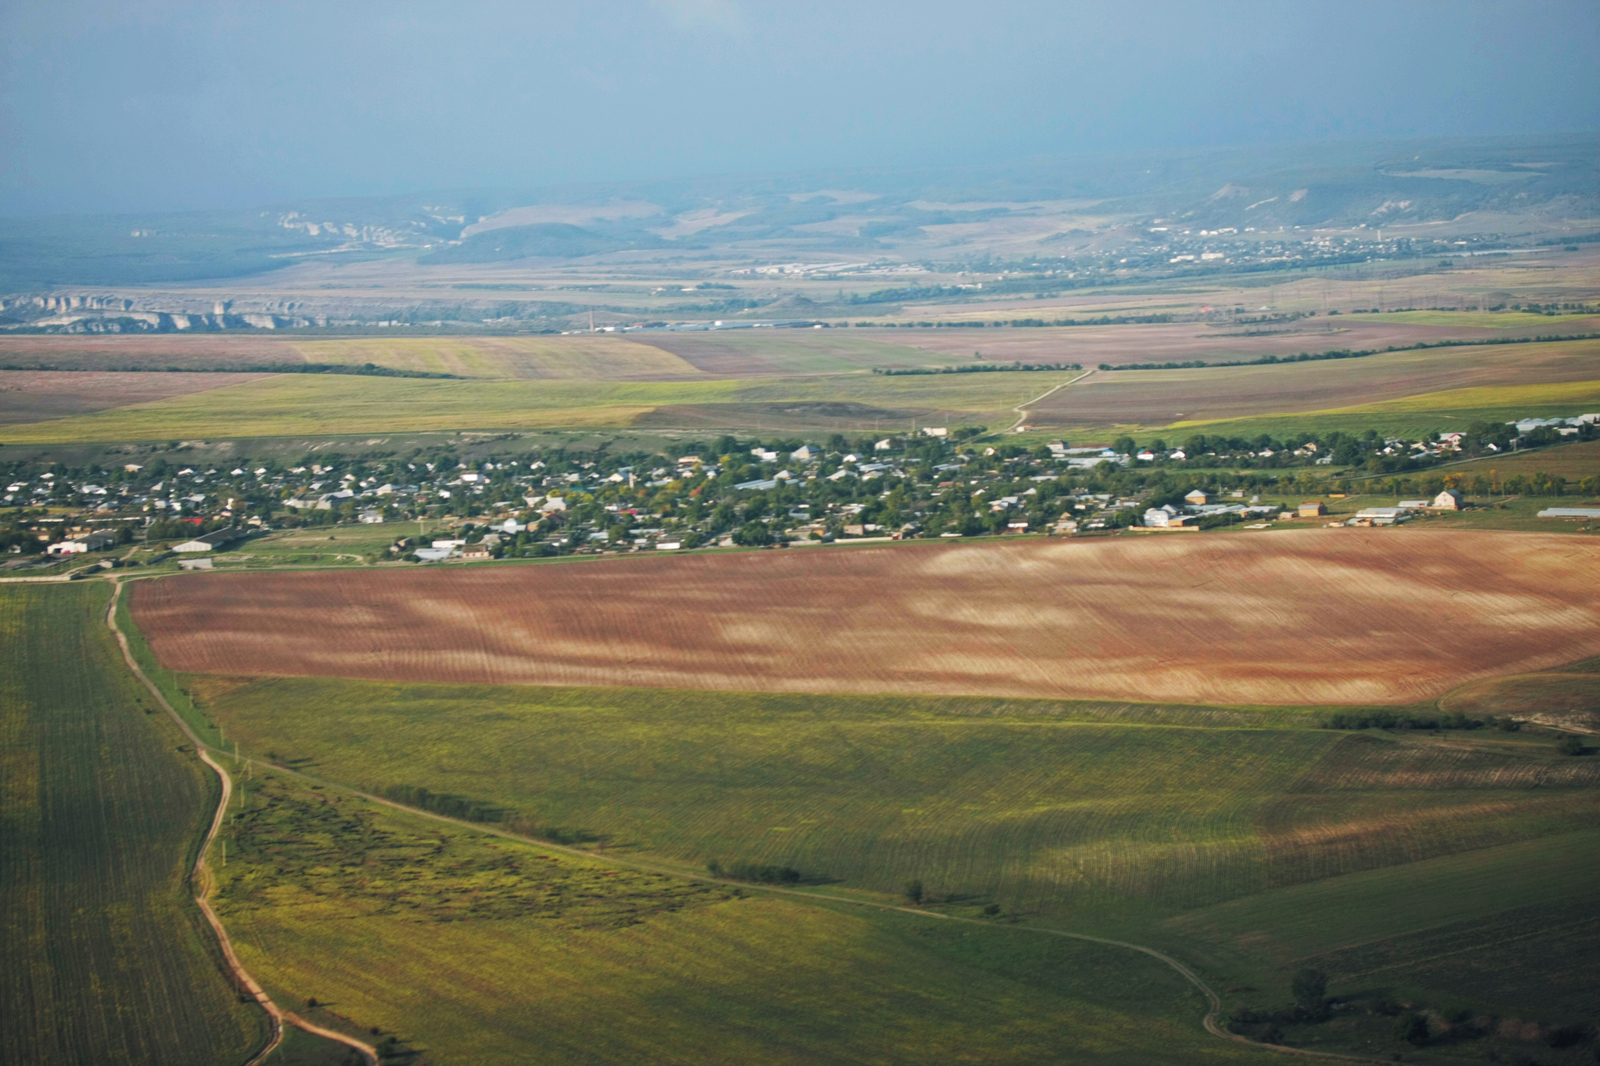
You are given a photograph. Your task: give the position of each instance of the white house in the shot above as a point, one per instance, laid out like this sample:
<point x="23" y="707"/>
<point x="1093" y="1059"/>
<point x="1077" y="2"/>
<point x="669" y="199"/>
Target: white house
<point x="1449" y="500"/>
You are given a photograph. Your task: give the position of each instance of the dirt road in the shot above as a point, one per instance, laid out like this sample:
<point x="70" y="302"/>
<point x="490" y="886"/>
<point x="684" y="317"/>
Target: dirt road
<point x="201" y="874"/>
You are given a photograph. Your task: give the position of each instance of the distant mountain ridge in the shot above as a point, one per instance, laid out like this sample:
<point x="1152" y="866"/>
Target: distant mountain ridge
<point x="909" y="212"/>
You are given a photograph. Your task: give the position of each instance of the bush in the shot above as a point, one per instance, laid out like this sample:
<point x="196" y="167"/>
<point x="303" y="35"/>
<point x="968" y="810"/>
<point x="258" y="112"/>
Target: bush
<point x="1570" y="745"/>
<point x="1309" y="987"/>
<point x="914" y="891"/>
<point x="755" y="873"/>
<point x="1411" y="1027"/>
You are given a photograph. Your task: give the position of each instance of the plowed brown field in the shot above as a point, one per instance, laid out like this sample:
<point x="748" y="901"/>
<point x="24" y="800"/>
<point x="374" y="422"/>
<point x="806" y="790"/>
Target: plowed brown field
<point x="1316" y="616"/>
<point x="37" y="395"/>
<point x="1312" y="617"/>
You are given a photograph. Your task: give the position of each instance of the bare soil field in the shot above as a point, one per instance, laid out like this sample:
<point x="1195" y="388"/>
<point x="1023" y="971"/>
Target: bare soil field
<point x="1313" y="617"/>
<point x="592" y="358"/>
<point x="599" y="358"/>
<point x="162" y="351"/>
<point x="40" y="395"/>
<point x="1160" y="397"/>
<point x="1180" y="342"/>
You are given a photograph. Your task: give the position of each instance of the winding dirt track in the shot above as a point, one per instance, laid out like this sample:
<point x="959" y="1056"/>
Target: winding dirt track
<point x="201" y="875"/>
<point x="1214" y="1001"/>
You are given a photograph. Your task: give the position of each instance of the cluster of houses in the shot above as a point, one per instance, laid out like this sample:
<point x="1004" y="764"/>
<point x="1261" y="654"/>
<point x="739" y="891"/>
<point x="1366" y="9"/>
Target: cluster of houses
<point x="930" y="482"/>
<point x="1198" y="504"/>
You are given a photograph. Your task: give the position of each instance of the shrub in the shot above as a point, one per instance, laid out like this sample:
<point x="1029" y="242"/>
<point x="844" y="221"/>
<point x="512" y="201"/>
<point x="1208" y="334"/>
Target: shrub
<point x="1411" y="1027"/>
<point x="1570" y="745"/>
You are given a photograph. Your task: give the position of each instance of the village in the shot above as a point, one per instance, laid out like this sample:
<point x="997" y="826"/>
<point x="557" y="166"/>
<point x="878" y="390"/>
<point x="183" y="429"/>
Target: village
<point x="939" y="483"/>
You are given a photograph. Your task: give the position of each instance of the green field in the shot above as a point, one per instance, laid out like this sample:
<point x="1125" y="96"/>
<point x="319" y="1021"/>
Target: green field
<point x="473" y="949"/>
<point x="1117" y="819"/>
<point x="1487" y="319"/>
<point x="1450" y="409"/>
<point x="313" y="404"/>
<point x="107" y="959"/>
<point x="1572" y="461"/>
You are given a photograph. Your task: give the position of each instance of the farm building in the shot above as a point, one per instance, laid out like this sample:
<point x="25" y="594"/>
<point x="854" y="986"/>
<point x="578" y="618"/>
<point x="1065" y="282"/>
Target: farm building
<point x="1165" y="518"/>
<point x="1312" y="509"/>
<point x="476" y="552"/>
<point x="1380" y="516"/>
<point x="1413" y="505"/>
<point x="1449" y="500"/>
<point x="1570" y="512"/>
<point x="371" y="518"/>
<point x="210" y="540"/>
<point x="89" y="542"/>
<point x="1197" y="497"/>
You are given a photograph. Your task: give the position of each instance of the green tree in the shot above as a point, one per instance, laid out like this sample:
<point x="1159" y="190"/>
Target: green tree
<point x="1411" y="1027"/>
<point x="1124" y="446"/>
<point x="914" y="891"/>
<point x="1310" y="988"/>
<point x="1570" y="745"/>
<point x="752" y="535"/>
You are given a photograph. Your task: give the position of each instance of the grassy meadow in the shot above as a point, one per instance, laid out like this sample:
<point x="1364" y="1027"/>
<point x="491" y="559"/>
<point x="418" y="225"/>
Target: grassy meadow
<point x="1141" y="823"/>
<point x="107" y="960"/>
<point x="313" y="404"/>
<point x="469" y="948"/>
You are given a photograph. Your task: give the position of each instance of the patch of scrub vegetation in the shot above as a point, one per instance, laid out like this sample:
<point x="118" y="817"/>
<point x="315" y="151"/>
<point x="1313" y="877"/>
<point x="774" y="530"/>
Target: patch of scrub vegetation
<point x="1555" y="698"/>
<point x="102" y="806"/>
<point x="472" y="948"/>
<point x="309" y="847"/>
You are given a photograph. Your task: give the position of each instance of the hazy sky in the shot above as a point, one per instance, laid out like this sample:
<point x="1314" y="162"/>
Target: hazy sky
<point x="142" y="105"/>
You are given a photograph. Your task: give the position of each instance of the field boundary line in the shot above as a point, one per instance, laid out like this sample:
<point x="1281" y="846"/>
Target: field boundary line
<point x="1022" y="408"/>
<point x="201" y="875"/>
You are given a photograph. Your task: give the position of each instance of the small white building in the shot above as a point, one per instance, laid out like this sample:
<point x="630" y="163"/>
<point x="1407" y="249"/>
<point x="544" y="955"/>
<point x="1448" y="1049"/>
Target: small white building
<point x="89" y="542"/>
<point x="1449" y="500"/>
<point x="211" y="540"/>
